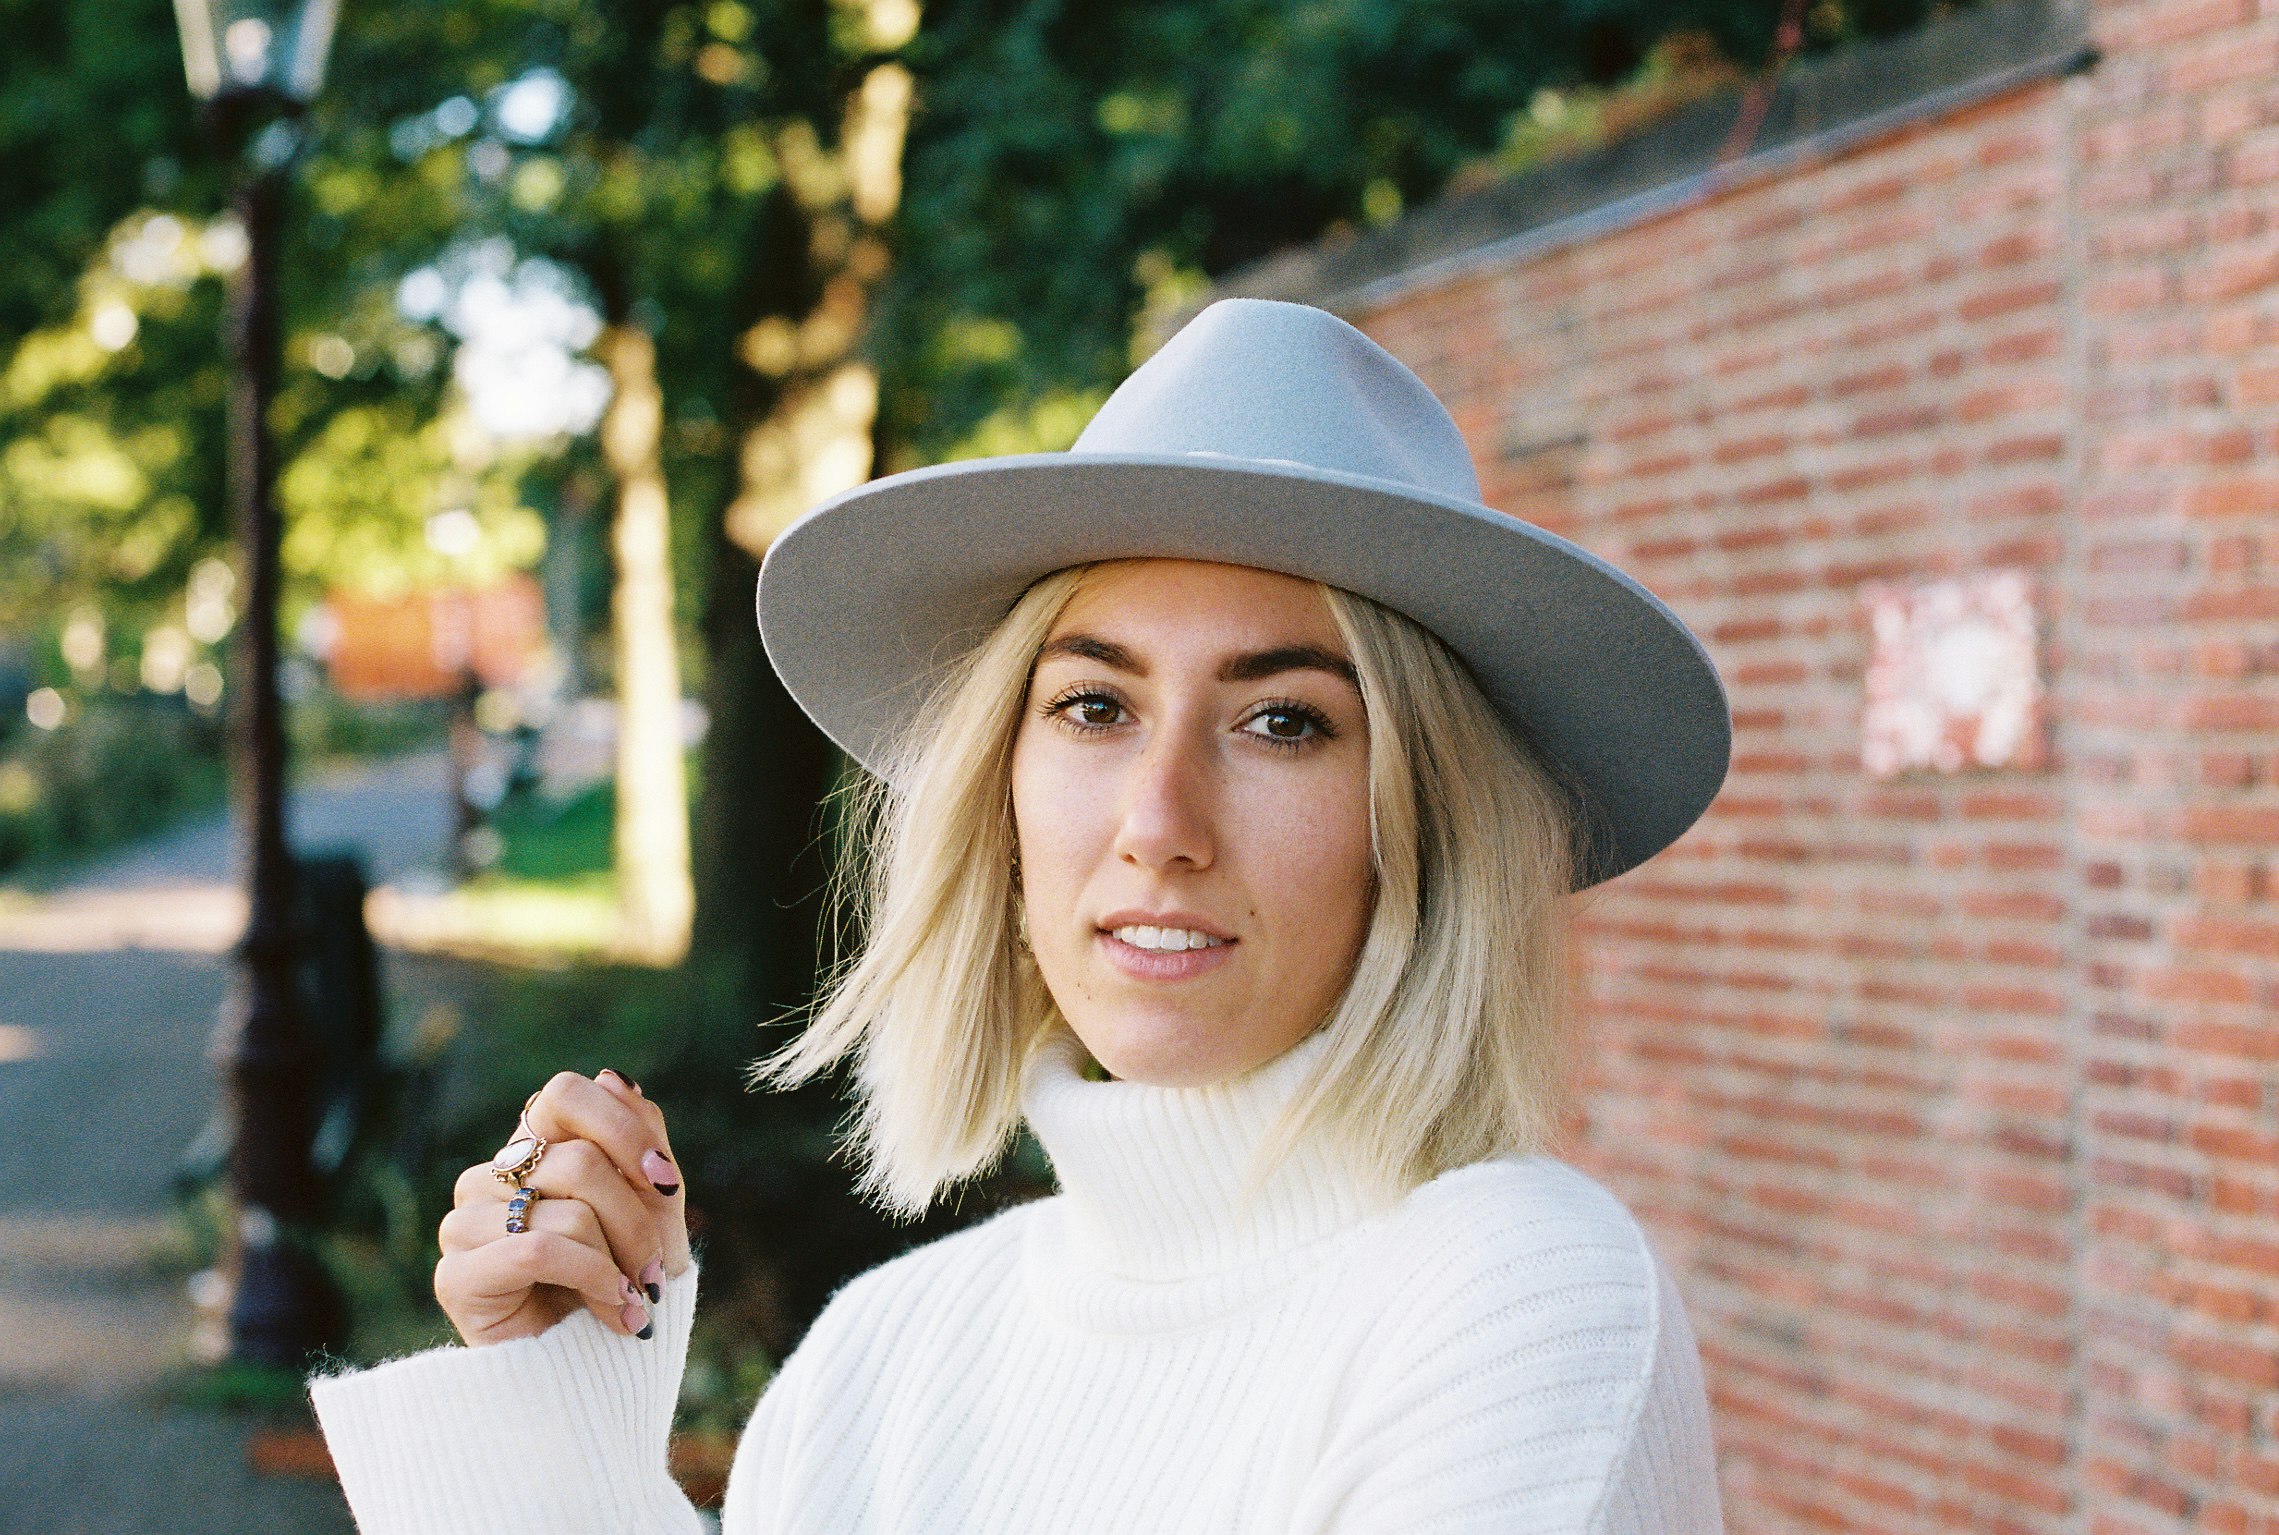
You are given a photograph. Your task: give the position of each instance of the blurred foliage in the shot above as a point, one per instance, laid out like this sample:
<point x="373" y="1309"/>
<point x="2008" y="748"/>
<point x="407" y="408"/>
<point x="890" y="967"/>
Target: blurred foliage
<point x="125" y="762"/>
<point x="324" y="726"/>
<point x="116" y="768"/>
<point x="1678" y="70"/>
<point x="1069" y="169"/>
<point x="1074" y="167"/>
<point x="358" y="498"/>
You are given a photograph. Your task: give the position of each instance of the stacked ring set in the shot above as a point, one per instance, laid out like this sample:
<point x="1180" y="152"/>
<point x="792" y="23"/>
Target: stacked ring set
<point x="513" y="1163"/>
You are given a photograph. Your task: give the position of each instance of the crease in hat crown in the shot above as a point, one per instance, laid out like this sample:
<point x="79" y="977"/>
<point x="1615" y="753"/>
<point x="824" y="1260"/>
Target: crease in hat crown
<point x="1281" y="383"/>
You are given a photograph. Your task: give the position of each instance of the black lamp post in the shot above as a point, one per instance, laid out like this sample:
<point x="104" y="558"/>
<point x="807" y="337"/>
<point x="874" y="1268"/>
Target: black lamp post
<point x="255" y="66"/>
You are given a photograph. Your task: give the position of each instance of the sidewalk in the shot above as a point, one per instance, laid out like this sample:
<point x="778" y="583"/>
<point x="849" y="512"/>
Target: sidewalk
<point x="109" y="991"/>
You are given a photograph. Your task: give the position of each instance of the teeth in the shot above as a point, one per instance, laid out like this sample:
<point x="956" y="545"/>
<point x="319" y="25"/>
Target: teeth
<point x="1170" y="940"/>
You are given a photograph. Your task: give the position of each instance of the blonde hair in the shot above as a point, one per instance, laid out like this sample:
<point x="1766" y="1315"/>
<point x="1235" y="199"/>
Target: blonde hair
<point x="1447" y="1046"/>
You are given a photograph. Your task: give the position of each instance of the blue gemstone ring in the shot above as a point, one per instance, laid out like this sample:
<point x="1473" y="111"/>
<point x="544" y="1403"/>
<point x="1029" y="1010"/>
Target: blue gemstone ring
<point x="518" y="1209"/>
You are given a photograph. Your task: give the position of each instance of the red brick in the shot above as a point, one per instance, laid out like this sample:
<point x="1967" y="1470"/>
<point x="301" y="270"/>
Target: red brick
<point x="1954" y="1092"/>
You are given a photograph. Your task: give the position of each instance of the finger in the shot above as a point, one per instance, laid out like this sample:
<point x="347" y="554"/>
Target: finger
<point x="499" y="1274"/>
<point x="652" y="1274"/>
<point x="582" y="1172"/>
<point x="570" y="1107"/>
<point x="484" y="1221"/>
<point x="574" y="1173"/>
<point x="629" y="1093"/>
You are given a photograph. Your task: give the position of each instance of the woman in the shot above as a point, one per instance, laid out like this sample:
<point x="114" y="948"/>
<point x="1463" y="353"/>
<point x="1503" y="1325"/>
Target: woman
<point x="1230" y="776"/>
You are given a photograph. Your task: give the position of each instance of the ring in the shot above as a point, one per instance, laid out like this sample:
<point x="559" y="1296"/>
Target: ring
<point x="516" y="1158"/>
<point x="518" y="1209"/>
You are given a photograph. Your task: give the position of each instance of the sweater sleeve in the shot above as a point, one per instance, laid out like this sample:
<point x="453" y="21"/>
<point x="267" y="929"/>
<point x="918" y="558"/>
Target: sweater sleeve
<point x="563" y="1433"/>
<point x="1533" y="1376"/>
<point x="1665" y="1479"/>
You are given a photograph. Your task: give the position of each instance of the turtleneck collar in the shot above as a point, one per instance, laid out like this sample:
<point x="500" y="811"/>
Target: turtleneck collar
<point x="1151" y="1177"/>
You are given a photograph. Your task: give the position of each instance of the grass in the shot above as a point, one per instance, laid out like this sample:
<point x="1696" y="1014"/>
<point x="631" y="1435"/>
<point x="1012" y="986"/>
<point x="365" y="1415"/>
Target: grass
<point x="549" y="898"/>
<point x="553" y="887"/>
<point x="566" y="840"/>
<point x="507" y="919"/>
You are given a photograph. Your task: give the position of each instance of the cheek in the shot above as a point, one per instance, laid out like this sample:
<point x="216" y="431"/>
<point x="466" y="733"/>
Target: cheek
<point x="1058" y="813"/>
<point x="1308" y="853"/>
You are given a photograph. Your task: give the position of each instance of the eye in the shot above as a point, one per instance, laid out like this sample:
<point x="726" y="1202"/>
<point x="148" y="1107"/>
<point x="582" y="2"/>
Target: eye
<point x="1085" y="709"/>
<point x="1288" y="723"/>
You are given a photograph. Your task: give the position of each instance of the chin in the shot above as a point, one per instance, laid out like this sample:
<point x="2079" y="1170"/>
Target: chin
<point x="1169" y="1053"/>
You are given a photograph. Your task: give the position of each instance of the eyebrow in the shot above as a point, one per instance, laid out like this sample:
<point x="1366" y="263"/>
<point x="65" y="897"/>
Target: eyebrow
<point x="1250" y="666"/>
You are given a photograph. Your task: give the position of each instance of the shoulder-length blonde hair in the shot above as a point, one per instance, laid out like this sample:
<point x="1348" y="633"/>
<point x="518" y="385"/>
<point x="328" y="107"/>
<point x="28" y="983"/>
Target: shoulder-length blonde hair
<point x="1448" y="1045"/>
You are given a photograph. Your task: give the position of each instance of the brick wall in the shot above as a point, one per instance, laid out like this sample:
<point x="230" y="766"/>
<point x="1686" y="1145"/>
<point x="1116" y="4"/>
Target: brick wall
<point x="1953" y="1097"/>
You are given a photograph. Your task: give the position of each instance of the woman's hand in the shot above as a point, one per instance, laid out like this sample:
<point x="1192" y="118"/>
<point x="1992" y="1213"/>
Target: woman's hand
<point x="609" y="1224"/>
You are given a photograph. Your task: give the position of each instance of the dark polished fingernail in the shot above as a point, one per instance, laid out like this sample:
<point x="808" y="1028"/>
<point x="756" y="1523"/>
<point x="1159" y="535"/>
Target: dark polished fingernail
<point x="621" y="1076"/>
<point x="659" y="1167"/>
<point x="648" y="1329"/>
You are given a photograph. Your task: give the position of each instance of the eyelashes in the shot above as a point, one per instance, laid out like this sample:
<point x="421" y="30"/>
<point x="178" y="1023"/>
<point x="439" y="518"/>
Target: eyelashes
<point x="1067" y="709"/>
<point x="1060" y="707"/>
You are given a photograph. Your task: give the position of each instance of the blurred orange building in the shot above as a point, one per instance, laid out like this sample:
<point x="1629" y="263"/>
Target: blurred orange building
<point x="418" y="645"/>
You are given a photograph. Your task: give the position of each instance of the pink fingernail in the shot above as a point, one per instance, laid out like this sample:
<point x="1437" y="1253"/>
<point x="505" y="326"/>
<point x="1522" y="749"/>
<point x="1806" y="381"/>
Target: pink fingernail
<point x="660" y="1170"/>
<point x="636" y="1321"/>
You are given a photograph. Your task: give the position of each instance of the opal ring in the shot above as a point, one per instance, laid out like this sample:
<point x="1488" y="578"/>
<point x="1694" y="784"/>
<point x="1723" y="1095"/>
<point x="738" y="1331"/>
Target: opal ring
<point x="514" y="1162"/>
<point x="516" y="1158"/>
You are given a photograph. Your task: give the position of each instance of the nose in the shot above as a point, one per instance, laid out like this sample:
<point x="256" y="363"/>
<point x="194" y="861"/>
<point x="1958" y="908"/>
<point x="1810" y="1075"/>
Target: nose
<point x="1167" y="806"/>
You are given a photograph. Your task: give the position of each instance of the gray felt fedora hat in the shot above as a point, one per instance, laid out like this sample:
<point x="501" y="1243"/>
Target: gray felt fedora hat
<point x="1274" y="435"/>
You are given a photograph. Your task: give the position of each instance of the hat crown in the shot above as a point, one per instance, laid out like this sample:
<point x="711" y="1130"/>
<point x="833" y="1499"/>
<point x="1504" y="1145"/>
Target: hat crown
<point x="1262" y="379"/>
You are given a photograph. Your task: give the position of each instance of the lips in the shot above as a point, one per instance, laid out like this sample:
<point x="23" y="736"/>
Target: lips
<point x="1164" y="964"/>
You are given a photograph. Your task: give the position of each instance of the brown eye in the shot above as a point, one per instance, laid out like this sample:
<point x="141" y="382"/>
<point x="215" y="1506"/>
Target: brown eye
<point x="1287" y="725"/>
<point x="1085" y="710"/>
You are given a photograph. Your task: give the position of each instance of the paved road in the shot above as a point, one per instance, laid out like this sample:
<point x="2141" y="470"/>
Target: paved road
<point x="109" y="989"/>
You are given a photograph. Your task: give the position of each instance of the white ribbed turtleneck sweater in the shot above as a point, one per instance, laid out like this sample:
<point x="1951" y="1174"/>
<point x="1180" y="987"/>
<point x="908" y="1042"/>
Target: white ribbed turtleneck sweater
<point x="1501" y="1351"/>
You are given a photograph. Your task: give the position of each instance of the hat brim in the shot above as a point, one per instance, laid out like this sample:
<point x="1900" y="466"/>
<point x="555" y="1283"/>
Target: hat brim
<point x="865" y="600"/>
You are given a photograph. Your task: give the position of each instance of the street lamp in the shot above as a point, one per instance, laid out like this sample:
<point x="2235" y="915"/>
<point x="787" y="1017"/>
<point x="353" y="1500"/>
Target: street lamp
<point x="245" y="47"/>
<point x="255" y="67"/>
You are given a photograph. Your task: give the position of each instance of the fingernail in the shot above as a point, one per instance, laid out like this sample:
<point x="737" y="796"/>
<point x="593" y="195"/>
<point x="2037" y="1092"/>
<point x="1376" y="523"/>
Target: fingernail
<point x="612" y="1071"/>
<point x="653" y="1277"/>
<point x="637" y="1321"/>
<point x="659" y="1167"/>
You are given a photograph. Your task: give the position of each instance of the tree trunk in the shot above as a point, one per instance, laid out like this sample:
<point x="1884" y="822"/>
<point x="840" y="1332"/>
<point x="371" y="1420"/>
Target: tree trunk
<point x="655" y="895"/>
<point x="808" y="408"/>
